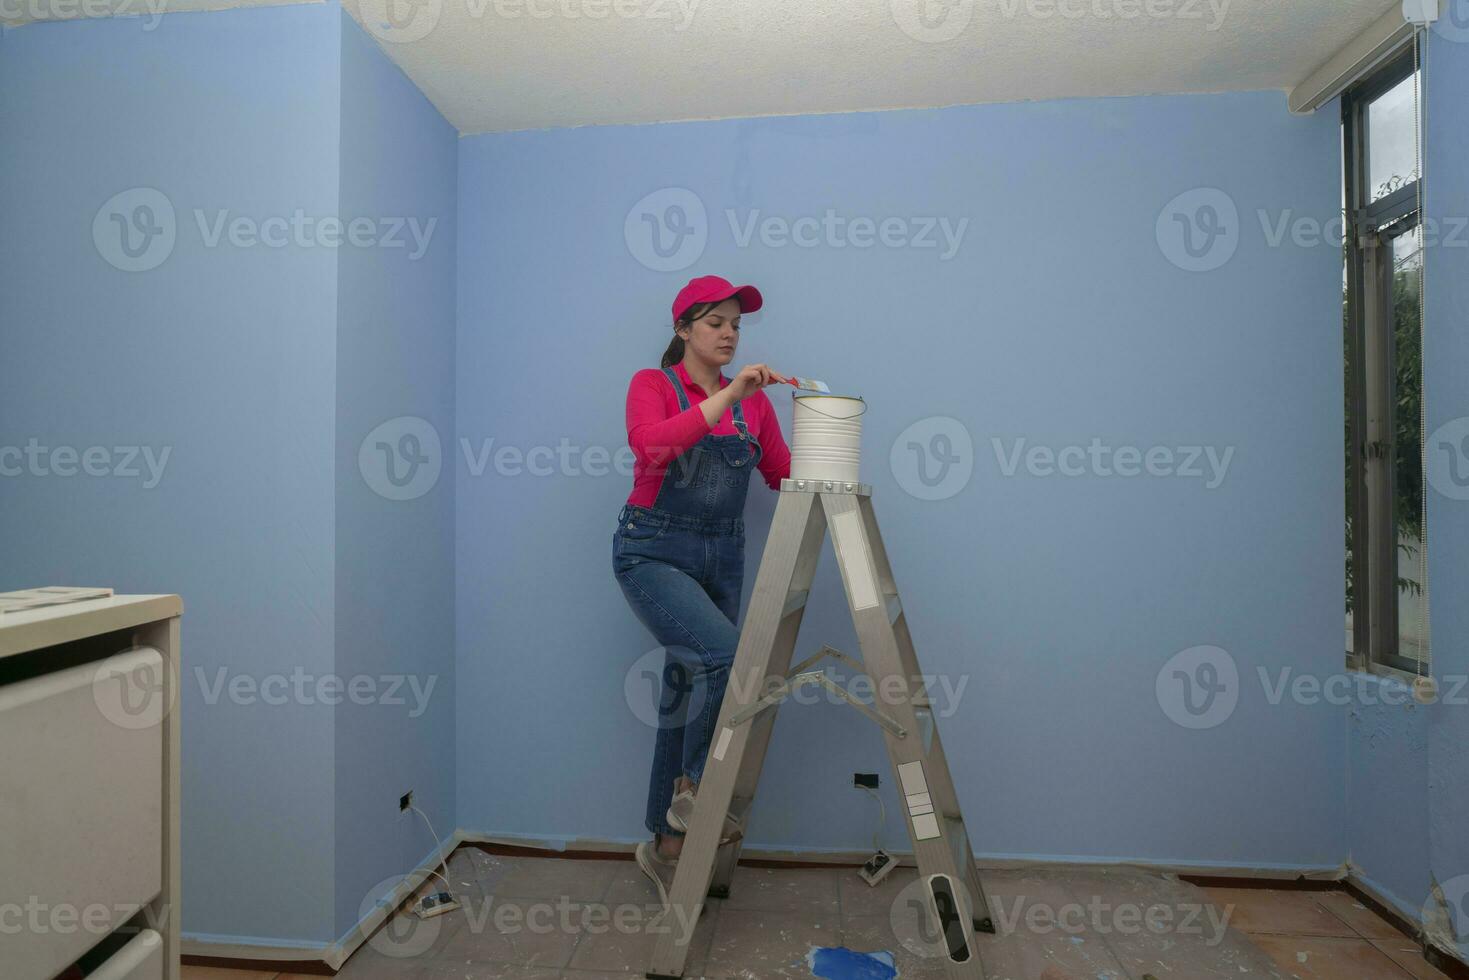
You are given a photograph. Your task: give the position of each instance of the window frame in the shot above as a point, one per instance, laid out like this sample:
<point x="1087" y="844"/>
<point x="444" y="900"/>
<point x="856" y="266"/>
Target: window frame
<point x="1372" y="227"/>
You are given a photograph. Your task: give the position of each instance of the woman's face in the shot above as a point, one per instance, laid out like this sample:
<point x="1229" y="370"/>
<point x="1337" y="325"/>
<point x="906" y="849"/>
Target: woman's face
<point x="716" y="335"/>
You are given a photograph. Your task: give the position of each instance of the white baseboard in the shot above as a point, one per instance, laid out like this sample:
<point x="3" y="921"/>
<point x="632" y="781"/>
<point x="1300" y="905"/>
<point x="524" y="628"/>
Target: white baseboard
<point x="335" y="954"/>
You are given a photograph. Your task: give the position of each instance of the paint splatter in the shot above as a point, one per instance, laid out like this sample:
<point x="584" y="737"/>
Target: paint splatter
<point x="841" y="963"/>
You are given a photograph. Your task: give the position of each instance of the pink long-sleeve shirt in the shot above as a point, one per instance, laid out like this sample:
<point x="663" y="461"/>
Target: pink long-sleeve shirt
<point x="658" y="432"/>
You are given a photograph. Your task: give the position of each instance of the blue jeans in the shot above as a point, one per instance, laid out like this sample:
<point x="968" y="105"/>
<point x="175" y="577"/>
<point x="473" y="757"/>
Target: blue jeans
<point x="682" y="576"/>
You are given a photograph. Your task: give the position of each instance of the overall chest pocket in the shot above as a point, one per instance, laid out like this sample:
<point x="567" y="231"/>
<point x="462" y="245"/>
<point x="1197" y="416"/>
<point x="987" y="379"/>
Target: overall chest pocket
<point x="738" y="458"/>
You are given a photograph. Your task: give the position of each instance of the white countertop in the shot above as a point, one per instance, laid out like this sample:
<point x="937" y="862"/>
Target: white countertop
<point x="35" y="628"/>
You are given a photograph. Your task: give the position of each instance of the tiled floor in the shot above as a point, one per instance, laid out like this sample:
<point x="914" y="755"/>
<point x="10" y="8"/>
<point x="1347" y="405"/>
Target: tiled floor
<point x="567" y="919"/>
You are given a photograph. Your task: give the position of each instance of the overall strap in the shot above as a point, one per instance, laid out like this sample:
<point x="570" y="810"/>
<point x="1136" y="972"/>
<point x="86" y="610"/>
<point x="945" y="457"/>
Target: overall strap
<point x="683" y="397"/>
<point x="744" y="430"/>
<point x="739" y="420"/>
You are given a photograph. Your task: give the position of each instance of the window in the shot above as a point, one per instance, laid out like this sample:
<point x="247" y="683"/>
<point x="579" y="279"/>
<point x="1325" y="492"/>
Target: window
<point x="1386" y="606"/>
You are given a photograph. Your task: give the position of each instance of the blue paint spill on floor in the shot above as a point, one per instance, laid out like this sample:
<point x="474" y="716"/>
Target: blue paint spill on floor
<point x="841" y="963"/>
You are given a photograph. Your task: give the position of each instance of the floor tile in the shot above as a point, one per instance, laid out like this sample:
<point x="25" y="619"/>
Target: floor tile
<point x="1330" y="958"/>
<point x="857" y="898"/>
<point x="811" y="890"/>
<point x="1363" y="920"/>
<point x="577" y="880"/>
<point x="1273" y="911"/>
<point x="1408" y="955"/>
<point x="1062" y="955"/>
<point x="625" y="941"/>
<point x="545" y="918"/>
<point x="874" y="933"/>
<point x="1029" y="901"/>
<point x="768" y="944"/>
<point x="522" y="931"/>
<point x="485" y="971"/>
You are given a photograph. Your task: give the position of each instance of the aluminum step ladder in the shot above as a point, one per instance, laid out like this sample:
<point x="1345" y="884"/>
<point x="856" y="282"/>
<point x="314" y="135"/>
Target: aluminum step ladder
<point x="952" y="905"/>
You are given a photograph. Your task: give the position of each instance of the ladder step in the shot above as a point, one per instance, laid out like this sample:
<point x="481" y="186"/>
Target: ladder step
<point x="894" y="606"/>
<point x="794" y="601"/>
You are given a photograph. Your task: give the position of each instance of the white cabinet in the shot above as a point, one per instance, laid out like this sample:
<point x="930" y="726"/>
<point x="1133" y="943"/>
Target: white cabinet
<point x="140" y="959"/>
<point x="89" y="757"/>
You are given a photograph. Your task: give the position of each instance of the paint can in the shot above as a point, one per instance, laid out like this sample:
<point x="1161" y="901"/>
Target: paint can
<point x="826" y="441"/>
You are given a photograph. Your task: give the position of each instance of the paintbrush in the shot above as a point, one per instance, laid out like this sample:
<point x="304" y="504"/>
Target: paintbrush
<point x="809" y="385"/>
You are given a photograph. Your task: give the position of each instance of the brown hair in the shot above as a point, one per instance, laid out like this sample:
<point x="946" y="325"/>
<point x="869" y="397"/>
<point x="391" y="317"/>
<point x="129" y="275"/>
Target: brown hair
<point x="674" y="354"/>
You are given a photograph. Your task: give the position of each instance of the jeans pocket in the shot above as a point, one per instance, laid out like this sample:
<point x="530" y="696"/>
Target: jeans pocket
<point x="640" y="529"/>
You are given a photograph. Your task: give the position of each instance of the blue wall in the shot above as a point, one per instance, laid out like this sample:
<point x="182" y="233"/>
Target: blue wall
<point x="1057" y="600"/>
<point x="1387" y="793"/>
<point x="261" y="371"/>
<point x="1407" y="764"/>
<point x="223" y="355"/>
<point x="394" y="557"/>
<point x="1446" y="384"/>
<point x="1062" y="306"/>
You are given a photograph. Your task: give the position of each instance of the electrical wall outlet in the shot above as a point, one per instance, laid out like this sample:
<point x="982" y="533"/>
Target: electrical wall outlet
<point x="405" y="801"/>
<point x="877" y="867"/>
<point x="436" y="904"/>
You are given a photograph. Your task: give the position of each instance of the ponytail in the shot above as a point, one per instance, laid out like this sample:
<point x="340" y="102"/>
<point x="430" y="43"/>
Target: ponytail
<point x="674" y="354"/>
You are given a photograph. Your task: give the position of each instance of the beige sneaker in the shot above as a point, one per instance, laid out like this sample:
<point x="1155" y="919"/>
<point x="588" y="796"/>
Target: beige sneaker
<point x="656" y="868"/>
<point x="681" y="811"/>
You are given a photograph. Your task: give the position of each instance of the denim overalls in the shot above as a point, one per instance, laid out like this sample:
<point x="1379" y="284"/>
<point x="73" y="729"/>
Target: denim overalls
<point x="681" y="565"/>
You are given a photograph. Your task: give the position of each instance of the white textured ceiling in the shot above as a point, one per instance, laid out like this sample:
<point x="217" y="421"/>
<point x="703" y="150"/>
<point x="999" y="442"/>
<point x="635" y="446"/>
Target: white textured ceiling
<point x="492" y="65"/>
<point x="495" y="65"/>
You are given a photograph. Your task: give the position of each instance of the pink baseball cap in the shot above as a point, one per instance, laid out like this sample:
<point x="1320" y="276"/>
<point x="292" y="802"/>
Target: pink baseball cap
<point x="713" y="289"/>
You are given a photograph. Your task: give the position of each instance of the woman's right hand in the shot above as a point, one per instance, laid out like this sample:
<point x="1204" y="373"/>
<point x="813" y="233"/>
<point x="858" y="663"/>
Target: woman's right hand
<point x="751" y="378"/>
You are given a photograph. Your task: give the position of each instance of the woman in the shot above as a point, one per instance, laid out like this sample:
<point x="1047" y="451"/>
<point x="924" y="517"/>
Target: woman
<point x="679" y="548"/>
